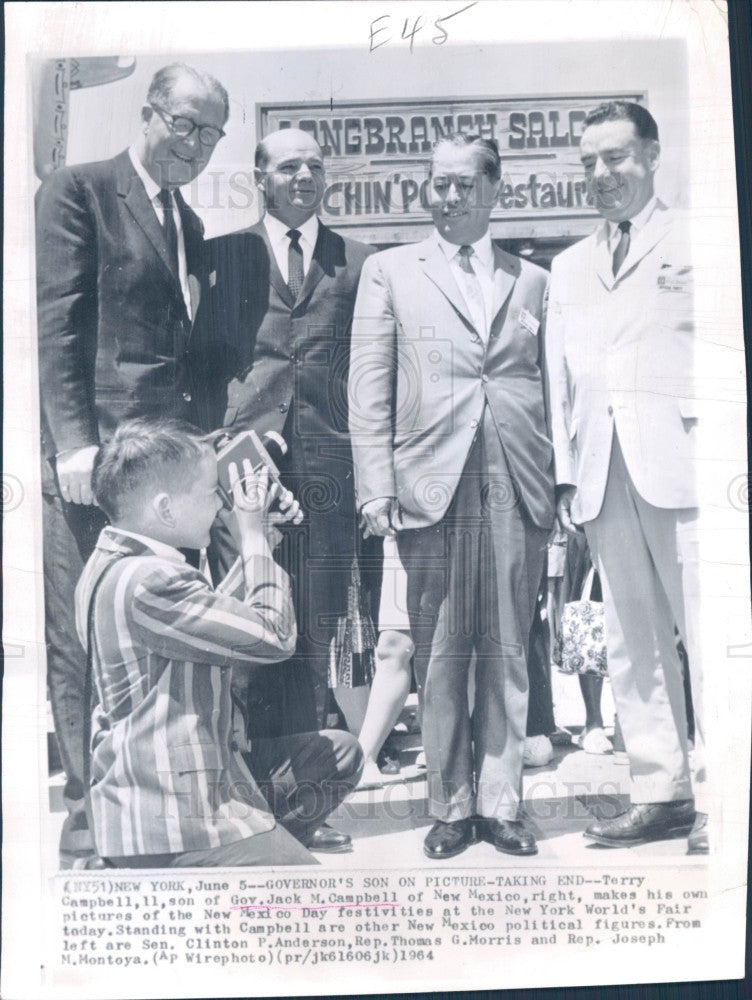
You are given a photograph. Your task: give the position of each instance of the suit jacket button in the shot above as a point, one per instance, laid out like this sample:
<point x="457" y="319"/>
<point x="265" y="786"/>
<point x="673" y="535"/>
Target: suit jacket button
<point x="473" y="423"/>
<point x="484" y="378"/>
<point x="283" y="407"/>
<point x="187" y="397"/>
<point x="610" y="411"/>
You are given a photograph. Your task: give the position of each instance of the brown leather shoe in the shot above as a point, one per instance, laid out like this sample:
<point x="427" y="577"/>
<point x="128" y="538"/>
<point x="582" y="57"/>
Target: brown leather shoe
<point x="697" y="842"/>
<point x="507" y="836"/>
<point x="327" y="840"/>
<point x="643" y="823"/>
<point x="447" y="840"/>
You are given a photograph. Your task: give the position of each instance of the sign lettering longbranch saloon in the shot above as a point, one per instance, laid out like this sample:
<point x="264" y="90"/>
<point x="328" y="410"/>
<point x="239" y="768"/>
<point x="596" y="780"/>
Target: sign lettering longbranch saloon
<point x="376" y="154"/>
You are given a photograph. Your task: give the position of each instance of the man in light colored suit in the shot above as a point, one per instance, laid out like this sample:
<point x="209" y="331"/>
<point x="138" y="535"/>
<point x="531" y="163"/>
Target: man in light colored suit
<point x="451" y="456"/>
<point x="619" y="357"/>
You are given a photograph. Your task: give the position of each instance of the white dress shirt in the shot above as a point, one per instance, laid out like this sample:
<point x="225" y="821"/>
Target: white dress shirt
<point x="482" y="260"/>
<point x="277" y="232"/>
<point x="637" y="224"/>
<point x="152" y="193"/>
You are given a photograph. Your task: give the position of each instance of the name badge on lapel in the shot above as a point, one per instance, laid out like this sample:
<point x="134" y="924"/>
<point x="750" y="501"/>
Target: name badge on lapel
<point x="673" y="278"/>
<point x="529" y="321"/>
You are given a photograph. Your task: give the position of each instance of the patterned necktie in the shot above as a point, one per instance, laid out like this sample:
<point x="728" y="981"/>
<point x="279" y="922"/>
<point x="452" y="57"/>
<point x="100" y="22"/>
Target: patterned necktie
<point x="464" y="253"/>
<point x="294" y="263"/>
<point x="622" y="247"/>
<point x="169" y="229"/>
<point x="473" y="291"/>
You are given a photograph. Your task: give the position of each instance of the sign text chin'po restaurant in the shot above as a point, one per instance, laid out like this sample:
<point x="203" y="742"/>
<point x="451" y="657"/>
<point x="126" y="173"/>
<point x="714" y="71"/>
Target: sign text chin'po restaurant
<point x="376" y="156"/>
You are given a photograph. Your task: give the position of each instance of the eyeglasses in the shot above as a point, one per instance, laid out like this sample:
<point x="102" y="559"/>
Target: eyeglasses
<point x="179" y="125"/>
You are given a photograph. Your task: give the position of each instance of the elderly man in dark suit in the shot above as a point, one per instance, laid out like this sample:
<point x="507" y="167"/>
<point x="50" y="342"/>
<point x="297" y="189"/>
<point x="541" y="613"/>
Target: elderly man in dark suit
<point x="120" y="270"/>
<point x="452" y="457"/>
<point x="275" y="332"/>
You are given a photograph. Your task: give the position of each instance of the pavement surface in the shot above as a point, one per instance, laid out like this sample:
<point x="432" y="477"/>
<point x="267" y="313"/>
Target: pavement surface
<point x="388" y="824"/>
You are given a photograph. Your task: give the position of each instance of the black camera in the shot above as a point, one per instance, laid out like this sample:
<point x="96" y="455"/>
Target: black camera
<point x="246" y="445"/>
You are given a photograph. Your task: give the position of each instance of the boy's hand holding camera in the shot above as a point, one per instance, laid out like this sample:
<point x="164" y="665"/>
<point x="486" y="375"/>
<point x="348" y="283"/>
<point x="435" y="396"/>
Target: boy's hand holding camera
<point x="254" y="495"/>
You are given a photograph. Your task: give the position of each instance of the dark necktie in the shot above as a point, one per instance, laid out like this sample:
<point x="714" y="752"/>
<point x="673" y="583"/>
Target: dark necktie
<point x="622" y="247"/>
<point x="169" y="229"/>
<point x="464" y="253"/>
<point x="294" y="263"/>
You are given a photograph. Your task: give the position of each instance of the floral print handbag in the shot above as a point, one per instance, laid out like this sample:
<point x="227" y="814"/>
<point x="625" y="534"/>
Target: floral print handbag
<point x="580" y="646"/>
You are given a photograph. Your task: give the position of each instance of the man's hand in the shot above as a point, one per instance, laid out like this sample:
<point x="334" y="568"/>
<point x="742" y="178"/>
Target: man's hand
<point x="564" y="498"/>
<point x="74" y="469"/>
<point x="380" y="517"/>
<point x="289" y="511"/>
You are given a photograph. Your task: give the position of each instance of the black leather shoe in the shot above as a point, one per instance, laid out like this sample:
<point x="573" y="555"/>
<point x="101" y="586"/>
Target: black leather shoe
<point x="697" y="842"/>
<point x="506" y="835"/>
<point x="643" y="823"/>
<point x="447" y="840"/>
<point x="327" y="840"/>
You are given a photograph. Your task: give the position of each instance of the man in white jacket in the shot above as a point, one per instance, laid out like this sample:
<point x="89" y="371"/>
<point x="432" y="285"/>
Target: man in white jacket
<point x="620" y="345"/>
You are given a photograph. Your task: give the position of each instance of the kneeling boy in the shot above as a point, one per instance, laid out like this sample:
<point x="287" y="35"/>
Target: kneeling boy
<point x="168" y="787"/>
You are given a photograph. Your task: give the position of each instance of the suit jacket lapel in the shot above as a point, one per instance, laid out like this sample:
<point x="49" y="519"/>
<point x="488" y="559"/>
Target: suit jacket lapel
<point x="320" y="263"/>
<point x="192" y="235"/>
<point x="643" y="242"/>
<point x="436" y="267"/>
<point x="603" y="258"/>
<point x="132" y="190"/>
<point x="193" y="239"/>
<point x="275" y="275"/>
<point x="645" y="239"/>
<point x="506" y="271"/>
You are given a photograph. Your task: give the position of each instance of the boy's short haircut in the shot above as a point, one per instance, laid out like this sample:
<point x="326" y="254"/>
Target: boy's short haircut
<point x="159" y="453"/>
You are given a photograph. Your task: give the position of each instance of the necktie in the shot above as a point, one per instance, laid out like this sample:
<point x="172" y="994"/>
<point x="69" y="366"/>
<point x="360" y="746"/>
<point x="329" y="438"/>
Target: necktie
<point x="294" y="263"/>
<point x="169" y="229"/>
<point x="622" y="247"/>
<point x="473" y="291"/>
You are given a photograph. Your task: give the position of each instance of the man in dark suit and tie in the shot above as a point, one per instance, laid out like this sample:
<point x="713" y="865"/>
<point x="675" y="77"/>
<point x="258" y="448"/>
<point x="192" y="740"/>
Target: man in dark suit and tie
<point x="275" y="331"/>
<point x="120" y="270"/>
<point x="452" y="456"/>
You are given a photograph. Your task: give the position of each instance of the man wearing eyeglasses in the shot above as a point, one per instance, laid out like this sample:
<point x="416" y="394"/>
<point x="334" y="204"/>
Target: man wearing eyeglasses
<point x="120" y="269"/>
